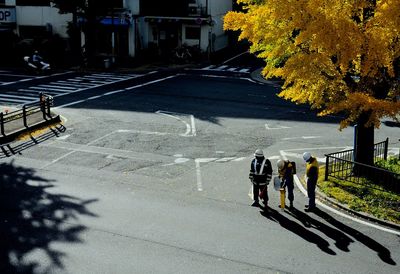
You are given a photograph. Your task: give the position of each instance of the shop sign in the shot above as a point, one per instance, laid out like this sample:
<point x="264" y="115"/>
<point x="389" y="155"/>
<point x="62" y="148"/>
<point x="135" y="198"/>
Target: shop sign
<point x="7" y="15"/>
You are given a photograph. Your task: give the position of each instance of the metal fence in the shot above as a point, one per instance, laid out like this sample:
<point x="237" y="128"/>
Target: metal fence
<point x="341" y="165"/>
<point x="43" y="105"/>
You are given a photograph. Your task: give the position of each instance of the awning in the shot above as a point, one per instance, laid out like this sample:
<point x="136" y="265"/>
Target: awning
<point x="185" y="20"/>
<point x="116" y="22"/>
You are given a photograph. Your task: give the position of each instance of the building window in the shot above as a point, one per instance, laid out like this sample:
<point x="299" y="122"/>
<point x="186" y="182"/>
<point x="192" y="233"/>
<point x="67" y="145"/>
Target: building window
<point x="192" y="33"/>
<point x="116" y="3"/>
<point x="33" y="2"/>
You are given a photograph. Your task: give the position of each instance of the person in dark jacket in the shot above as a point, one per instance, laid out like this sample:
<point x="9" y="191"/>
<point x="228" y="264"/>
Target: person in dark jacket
<point x="260" y="176"/>
<point x="312" y="169"/>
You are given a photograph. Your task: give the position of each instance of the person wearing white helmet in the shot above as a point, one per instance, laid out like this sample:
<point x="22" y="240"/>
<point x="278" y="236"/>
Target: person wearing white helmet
<point x="312" y="169"/>
<point x="286" y="169"/>
<point x="260" y="175"/>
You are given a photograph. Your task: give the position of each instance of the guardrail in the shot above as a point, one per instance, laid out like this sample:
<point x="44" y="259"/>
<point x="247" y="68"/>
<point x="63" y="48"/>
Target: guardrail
<point x="341" y="165"/>
<point x="43" y="105"/>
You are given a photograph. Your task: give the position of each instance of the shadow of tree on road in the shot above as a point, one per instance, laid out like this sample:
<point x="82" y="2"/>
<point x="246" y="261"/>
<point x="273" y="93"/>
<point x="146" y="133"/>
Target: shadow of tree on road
<point x="32" y="219"/>
<point x="298" y="229"/>
<point x="383" y="252"/>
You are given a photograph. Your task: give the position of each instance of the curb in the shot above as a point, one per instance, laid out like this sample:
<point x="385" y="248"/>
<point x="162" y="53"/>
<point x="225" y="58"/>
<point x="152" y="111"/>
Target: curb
<point x="256" y="76"/>
<point x="323" y="198"/>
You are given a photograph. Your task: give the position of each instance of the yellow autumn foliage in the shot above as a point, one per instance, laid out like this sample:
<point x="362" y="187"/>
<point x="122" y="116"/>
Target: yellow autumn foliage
<point x="336" y="55"/>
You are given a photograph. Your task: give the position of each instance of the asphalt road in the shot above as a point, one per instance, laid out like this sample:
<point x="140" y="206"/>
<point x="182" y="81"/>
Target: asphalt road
<point x="150" y="175"/>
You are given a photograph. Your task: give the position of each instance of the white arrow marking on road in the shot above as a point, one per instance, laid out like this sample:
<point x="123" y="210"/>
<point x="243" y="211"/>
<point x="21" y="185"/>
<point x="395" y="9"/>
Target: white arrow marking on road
<point x="190" y="128"/>
<point x="278" y="127"/>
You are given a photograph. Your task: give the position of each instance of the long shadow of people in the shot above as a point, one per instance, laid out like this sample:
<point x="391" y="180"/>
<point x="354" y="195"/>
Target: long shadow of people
<point x="342" y="241"/>
<point x="298" y="229"/>
<point x="31" y="218"/>
<point x="383" y="252"/>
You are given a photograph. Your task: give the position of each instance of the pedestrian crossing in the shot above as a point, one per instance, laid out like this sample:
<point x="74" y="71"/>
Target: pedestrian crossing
<point x="227" y="68"/>
<point x="61" y="87"/>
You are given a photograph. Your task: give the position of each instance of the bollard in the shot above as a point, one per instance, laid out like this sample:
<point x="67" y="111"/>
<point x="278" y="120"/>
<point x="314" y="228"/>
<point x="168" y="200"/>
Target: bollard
<point x="48" y="106"/>
<point x="24" y="116"/>
<point x="2" y="123"/>
<point x="283" y="197"/>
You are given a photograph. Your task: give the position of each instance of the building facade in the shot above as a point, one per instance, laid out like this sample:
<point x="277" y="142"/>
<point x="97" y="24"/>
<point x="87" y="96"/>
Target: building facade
<point x="128" y="28"/>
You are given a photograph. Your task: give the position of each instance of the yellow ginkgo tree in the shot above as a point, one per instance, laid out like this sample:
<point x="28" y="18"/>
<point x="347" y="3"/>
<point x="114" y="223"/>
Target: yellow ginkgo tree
<point x="338" y="56"/>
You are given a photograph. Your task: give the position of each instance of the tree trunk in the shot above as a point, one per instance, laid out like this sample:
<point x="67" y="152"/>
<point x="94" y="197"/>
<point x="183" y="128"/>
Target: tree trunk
<point x="364" y="141"/>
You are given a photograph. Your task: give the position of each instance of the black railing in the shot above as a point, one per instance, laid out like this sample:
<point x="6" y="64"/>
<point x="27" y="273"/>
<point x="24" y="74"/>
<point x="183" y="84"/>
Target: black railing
<point x="43" y="105"/>
<point x="341" y="165"/>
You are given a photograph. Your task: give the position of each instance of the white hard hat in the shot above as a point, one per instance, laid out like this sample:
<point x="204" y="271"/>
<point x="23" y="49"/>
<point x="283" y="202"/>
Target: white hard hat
<point x="306" y="156"/>
<point x="259" y="153"/>
<point x="280" y="164"/>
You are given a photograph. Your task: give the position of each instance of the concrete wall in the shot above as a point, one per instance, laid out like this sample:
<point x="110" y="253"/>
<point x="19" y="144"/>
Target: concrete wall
<point x="41" y="16"/>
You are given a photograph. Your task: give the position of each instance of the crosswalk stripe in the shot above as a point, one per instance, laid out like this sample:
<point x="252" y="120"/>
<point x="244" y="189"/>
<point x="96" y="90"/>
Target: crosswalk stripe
<point x="14" y="96"/>
<point x="231" y="69"/>
<point x="58" y="86"/>
<point x="47" y="89"/>
<point x="244" y="70"/>
<point x="29" y="91"/>
<point x="209" y="67"/>
<point x="107" y="77"/>
<point x="76" y="84"/>
<point x="12" y="100"/>
<point x="61" y="87"/>
<point x="221" y="67"/>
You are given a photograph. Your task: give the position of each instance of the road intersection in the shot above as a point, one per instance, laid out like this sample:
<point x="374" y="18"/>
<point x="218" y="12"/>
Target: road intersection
<point x="159" y="164"/>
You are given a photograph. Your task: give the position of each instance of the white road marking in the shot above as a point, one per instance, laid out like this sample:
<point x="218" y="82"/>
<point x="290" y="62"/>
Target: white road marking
<point x="245" y="70"/>
<point x="143" y="132"/>
<point x="304" y="191"/>
<point x="58" y="159"/>
<point x="209" y="67"/>
<point x="234" y="57"/>
<point x="278" y="127"/>
<point x="190" y="128"/>
<point x="205" y="160"/>
<point x="239" y="159"/>
<point x="221" y="67"/>
<point x="257" y="95"/>
<point x="198" y="176"/>
<point x="225" y="159"/>
<point x="302" y="137"/>
<point x="64" y="137"/>
<point x="33" y="78"/>
<point x="116" y="91"/>
<point x="57" y="87"/>
<point x="193" y="125"/>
